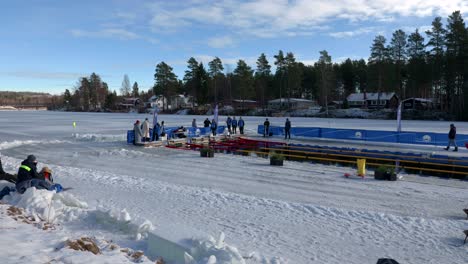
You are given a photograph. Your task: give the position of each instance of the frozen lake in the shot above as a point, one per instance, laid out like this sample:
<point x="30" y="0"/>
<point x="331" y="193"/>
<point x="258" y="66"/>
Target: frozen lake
<point x="302" y="212"/>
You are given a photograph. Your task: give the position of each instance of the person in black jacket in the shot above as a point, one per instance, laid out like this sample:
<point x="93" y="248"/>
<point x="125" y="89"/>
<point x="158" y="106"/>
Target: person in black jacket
<point x="207" y="122"/>
<point x="287" y="129"/>
<point x="266" y="128"/>
<point x="29" y="177"/>
<point x="28" y="169"/>
<point x="452" y="135"/>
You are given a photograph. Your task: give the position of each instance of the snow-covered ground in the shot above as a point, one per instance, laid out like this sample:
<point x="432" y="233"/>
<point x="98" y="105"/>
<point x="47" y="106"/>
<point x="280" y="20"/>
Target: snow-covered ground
<point x="299" y="213"/>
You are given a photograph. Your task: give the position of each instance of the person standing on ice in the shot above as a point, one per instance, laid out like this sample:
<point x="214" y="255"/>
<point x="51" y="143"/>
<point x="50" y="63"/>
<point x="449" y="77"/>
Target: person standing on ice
<point x="138" y="133"/>
<point x="29" y="177"/>
<point x="234" y="125"/>
<point x="214" y="126"/>
<point x="156" y="128"/>
<point x="194" y="123"/>
<point x="207" y="122"/>
<point x="241" y="125"/>
<point x="146" y="130"/>
<point x="162" y="129"/>
<point x="452" y="135"/>
<point x="287" y="129"/>
<point x="266" y="128"/>
<point x="229" y="124"/>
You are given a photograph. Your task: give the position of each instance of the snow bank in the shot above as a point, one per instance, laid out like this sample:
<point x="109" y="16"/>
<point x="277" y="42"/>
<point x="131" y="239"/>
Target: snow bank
<point x="52" y="207"/>
<point x="98" y="137"/>
<point x="16" y="143"/>
<point x="48" y="206"/>
<point x="59" y="208"/>
<point x="194" y="251"/>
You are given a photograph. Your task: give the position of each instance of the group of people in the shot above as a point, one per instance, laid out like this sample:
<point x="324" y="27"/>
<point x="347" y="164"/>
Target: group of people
<point x="231" y="123"/>
<point x="142" y="131"/>
<point x="28" y="177"/>
<point x="287" y="129"/>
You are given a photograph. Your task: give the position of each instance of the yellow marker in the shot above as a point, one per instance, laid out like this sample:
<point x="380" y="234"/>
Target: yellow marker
<point x="74" y="124"/>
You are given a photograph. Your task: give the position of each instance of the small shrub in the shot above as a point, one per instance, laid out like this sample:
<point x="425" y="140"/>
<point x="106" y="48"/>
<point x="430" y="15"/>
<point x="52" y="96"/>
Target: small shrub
<point x="207" y="152"/>
<point x="276" y="156"/>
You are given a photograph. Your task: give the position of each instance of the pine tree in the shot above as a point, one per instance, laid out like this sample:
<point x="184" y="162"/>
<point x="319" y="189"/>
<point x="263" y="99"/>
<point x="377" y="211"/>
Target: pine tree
<point x="201" y="82"/>
<point x="135" y="90"/>
<point x="262" y="78"/>
<point x="379" y="54"/>
<point x="215" y="70"/>
<point x="436" y="43"/>
<point x="165" y="81"/>
<point x="280" y="63"/>
<point x="190" y="84"/>
<point x="456" y="59"/>
<point x="325" y="71"/>
<point x="125" y="88"/>
<point x="418" y="83"/>
<point x="398" y="56"/>
<point x="243" y="75"/>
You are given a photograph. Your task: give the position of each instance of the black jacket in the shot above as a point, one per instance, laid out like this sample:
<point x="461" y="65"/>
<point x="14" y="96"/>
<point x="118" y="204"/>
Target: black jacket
<point x="287" y="125"/>
<point x="28" y="171"/>
<point x="266" y="123"/>
<point x="207" y="123"/>
<point x="452" y="133"/>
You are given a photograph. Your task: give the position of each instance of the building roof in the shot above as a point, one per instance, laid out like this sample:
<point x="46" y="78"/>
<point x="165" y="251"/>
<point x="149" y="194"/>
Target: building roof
<point x="285" y="100"/>
<point x="419" y="99"/>
<point x="245" y="101"/>
<point x="369" y="96"/>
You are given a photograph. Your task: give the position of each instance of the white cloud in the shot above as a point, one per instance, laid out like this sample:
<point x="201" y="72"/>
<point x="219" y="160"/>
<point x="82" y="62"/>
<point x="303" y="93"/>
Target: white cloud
<point x="221" y="42"/>
<point x="106" y="33"/>
<point x="353" y="33"/>
<point x="271" y="18"/>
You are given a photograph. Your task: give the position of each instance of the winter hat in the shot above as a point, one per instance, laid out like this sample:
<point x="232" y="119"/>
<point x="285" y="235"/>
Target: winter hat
<point x="32" y="158"/>
<point x="46" y="169"/>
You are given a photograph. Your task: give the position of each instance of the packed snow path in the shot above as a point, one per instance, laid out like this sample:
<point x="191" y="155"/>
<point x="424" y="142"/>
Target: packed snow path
<point x="304" y="213"/>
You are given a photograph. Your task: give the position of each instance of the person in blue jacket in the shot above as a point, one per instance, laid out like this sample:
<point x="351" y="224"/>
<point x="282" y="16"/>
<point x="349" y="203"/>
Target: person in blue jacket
<point x="241" y="125"/>
<point x="229" y="123"/>
<point x="234" y="125"/>
<point x="214" y="127"/>
<point x="29" y="177"/>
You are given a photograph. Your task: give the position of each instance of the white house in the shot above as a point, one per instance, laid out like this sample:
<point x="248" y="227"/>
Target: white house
<point x="156" y="100"/>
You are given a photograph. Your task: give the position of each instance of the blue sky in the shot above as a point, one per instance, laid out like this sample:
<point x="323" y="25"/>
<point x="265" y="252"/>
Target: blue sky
<point x="47" y="45"/>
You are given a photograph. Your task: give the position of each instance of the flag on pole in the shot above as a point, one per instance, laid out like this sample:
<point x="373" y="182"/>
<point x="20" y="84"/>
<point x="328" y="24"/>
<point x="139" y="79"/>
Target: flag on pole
<point x="216" y="114"/>
<point x="155" y="115"/>
<point x="397" y="163"/>
<point x="399" y="118"/>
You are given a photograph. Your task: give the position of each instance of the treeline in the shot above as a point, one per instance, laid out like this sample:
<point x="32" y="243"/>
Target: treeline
<point x="29" y="99"/>
<point x="409" y="64"/>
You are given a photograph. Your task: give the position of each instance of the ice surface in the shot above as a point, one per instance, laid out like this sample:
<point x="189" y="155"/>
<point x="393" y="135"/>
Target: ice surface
<point x="300" y="213"/>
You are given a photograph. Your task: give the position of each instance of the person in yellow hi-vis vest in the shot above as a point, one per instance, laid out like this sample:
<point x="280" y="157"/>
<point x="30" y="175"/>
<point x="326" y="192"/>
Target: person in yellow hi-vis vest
<point x="361" y="164"/>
